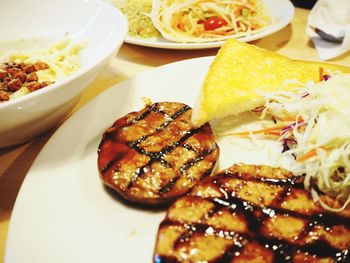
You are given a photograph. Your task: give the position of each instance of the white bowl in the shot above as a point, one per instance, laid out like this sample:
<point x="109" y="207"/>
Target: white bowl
<point x="99" y="24"/>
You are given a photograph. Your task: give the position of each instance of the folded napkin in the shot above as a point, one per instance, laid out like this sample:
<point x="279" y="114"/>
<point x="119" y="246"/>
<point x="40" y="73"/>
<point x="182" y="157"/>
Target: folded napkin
<point x="333" y="17"/>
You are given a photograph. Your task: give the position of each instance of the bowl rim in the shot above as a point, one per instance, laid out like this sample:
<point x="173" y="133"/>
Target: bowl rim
<point x="122" y="32"/>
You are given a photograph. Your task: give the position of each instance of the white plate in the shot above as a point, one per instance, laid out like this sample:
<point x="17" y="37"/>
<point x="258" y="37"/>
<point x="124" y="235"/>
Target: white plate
<point x="282" y="10"/>
<point x="63" y="213"/>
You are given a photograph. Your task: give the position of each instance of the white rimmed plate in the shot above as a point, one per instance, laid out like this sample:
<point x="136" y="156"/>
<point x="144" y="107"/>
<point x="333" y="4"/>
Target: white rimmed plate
<point x="63" y="213"/>
<point x="281" y="10"/>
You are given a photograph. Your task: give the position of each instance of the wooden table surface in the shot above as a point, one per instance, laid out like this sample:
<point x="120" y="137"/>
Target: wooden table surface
<point x="131" y="60"/>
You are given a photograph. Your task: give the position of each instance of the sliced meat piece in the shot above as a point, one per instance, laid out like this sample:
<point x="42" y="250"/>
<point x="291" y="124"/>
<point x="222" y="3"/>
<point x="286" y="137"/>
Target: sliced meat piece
<point x="154" y="155"/>
<point x="251" y="214"/>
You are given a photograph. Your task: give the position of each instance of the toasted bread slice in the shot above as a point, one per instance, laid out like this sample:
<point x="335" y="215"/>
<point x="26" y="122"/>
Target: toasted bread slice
<point x="240" y="70"/>
<point x="251" y="213"/>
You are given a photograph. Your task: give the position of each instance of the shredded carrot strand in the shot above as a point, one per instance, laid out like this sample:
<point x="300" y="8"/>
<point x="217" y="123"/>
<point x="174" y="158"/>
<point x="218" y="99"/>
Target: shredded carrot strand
<point x="308" y="155"/>
<point x="266" y="130"/>
<point x="321" y="73"/>
<point x="293" y="118"/>
<point x="273" y="133"/>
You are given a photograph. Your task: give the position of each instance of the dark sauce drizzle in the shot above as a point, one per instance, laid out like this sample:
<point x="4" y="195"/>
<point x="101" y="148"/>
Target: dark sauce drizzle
<point x="136" y="143"/>
<point x="151" y="108"/>
<point x="158" y="156"/>
<point x="166" y="188"/>
<point x="112" y="162"/>
<point x="283" y="250"/>
<point x="293" y="181"/>
<point x="189" y="147"/>
<point x="197" y="159"/>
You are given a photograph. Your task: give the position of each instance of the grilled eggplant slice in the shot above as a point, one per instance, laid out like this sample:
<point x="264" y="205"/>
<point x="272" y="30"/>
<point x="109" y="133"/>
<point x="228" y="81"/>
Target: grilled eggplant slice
<point x="154" y="156"/>
<point x="250" y="214"/>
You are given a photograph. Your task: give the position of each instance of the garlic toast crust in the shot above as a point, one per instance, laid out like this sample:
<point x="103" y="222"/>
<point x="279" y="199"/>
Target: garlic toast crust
<point x="241" y="71"/>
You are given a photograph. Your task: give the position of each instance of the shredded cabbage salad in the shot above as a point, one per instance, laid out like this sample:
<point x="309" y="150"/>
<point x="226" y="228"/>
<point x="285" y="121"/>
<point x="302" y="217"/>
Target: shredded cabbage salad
<point x="137" y="13"/>
<point x="313" y="124"/>
<point x="208" y="20"/>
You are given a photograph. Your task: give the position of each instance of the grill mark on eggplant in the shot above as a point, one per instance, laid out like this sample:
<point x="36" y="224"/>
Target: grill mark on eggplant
<point x="150" y="109"/>
<point x="209" y="171"/>
<point x="132" y="149"/>
<point x="199" y="158"/>
<point x="189" y="148"/>
<point x="135" y="144"/>
<point x="230" y="252"/>
<point x="282" y="250"/>
<point x="158" y="156"/>
<point x="326" y="219"/>
<point x="294" y="181"/>
<point x="165" y="150"/>
<point x="166" y="188"/>
<point x="109" y="165"/>
<point x="111" y="135"/>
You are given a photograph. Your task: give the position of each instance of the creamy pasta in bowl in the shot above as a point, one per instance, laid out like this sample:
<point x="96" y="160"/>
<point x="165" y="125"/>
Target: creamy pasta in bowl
<point x="23" y="71"/>
<point x="47" y="62"/>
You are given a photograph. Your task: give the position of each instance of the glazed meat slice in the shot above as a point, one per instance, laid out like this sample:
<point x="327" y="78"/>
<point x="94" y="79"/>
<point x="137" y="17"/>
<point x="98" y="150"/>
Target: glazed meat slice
<point x="251" y="214"/>
<point x="153" y="156"/>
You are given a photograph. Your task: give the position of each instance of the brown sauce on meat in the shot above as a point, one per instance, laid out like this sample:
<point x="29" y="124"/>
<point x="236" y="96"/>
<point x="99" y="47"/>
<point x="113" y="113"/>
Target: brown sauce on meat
<point x="255" y="217"/>
<point x="119" y="149"/>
